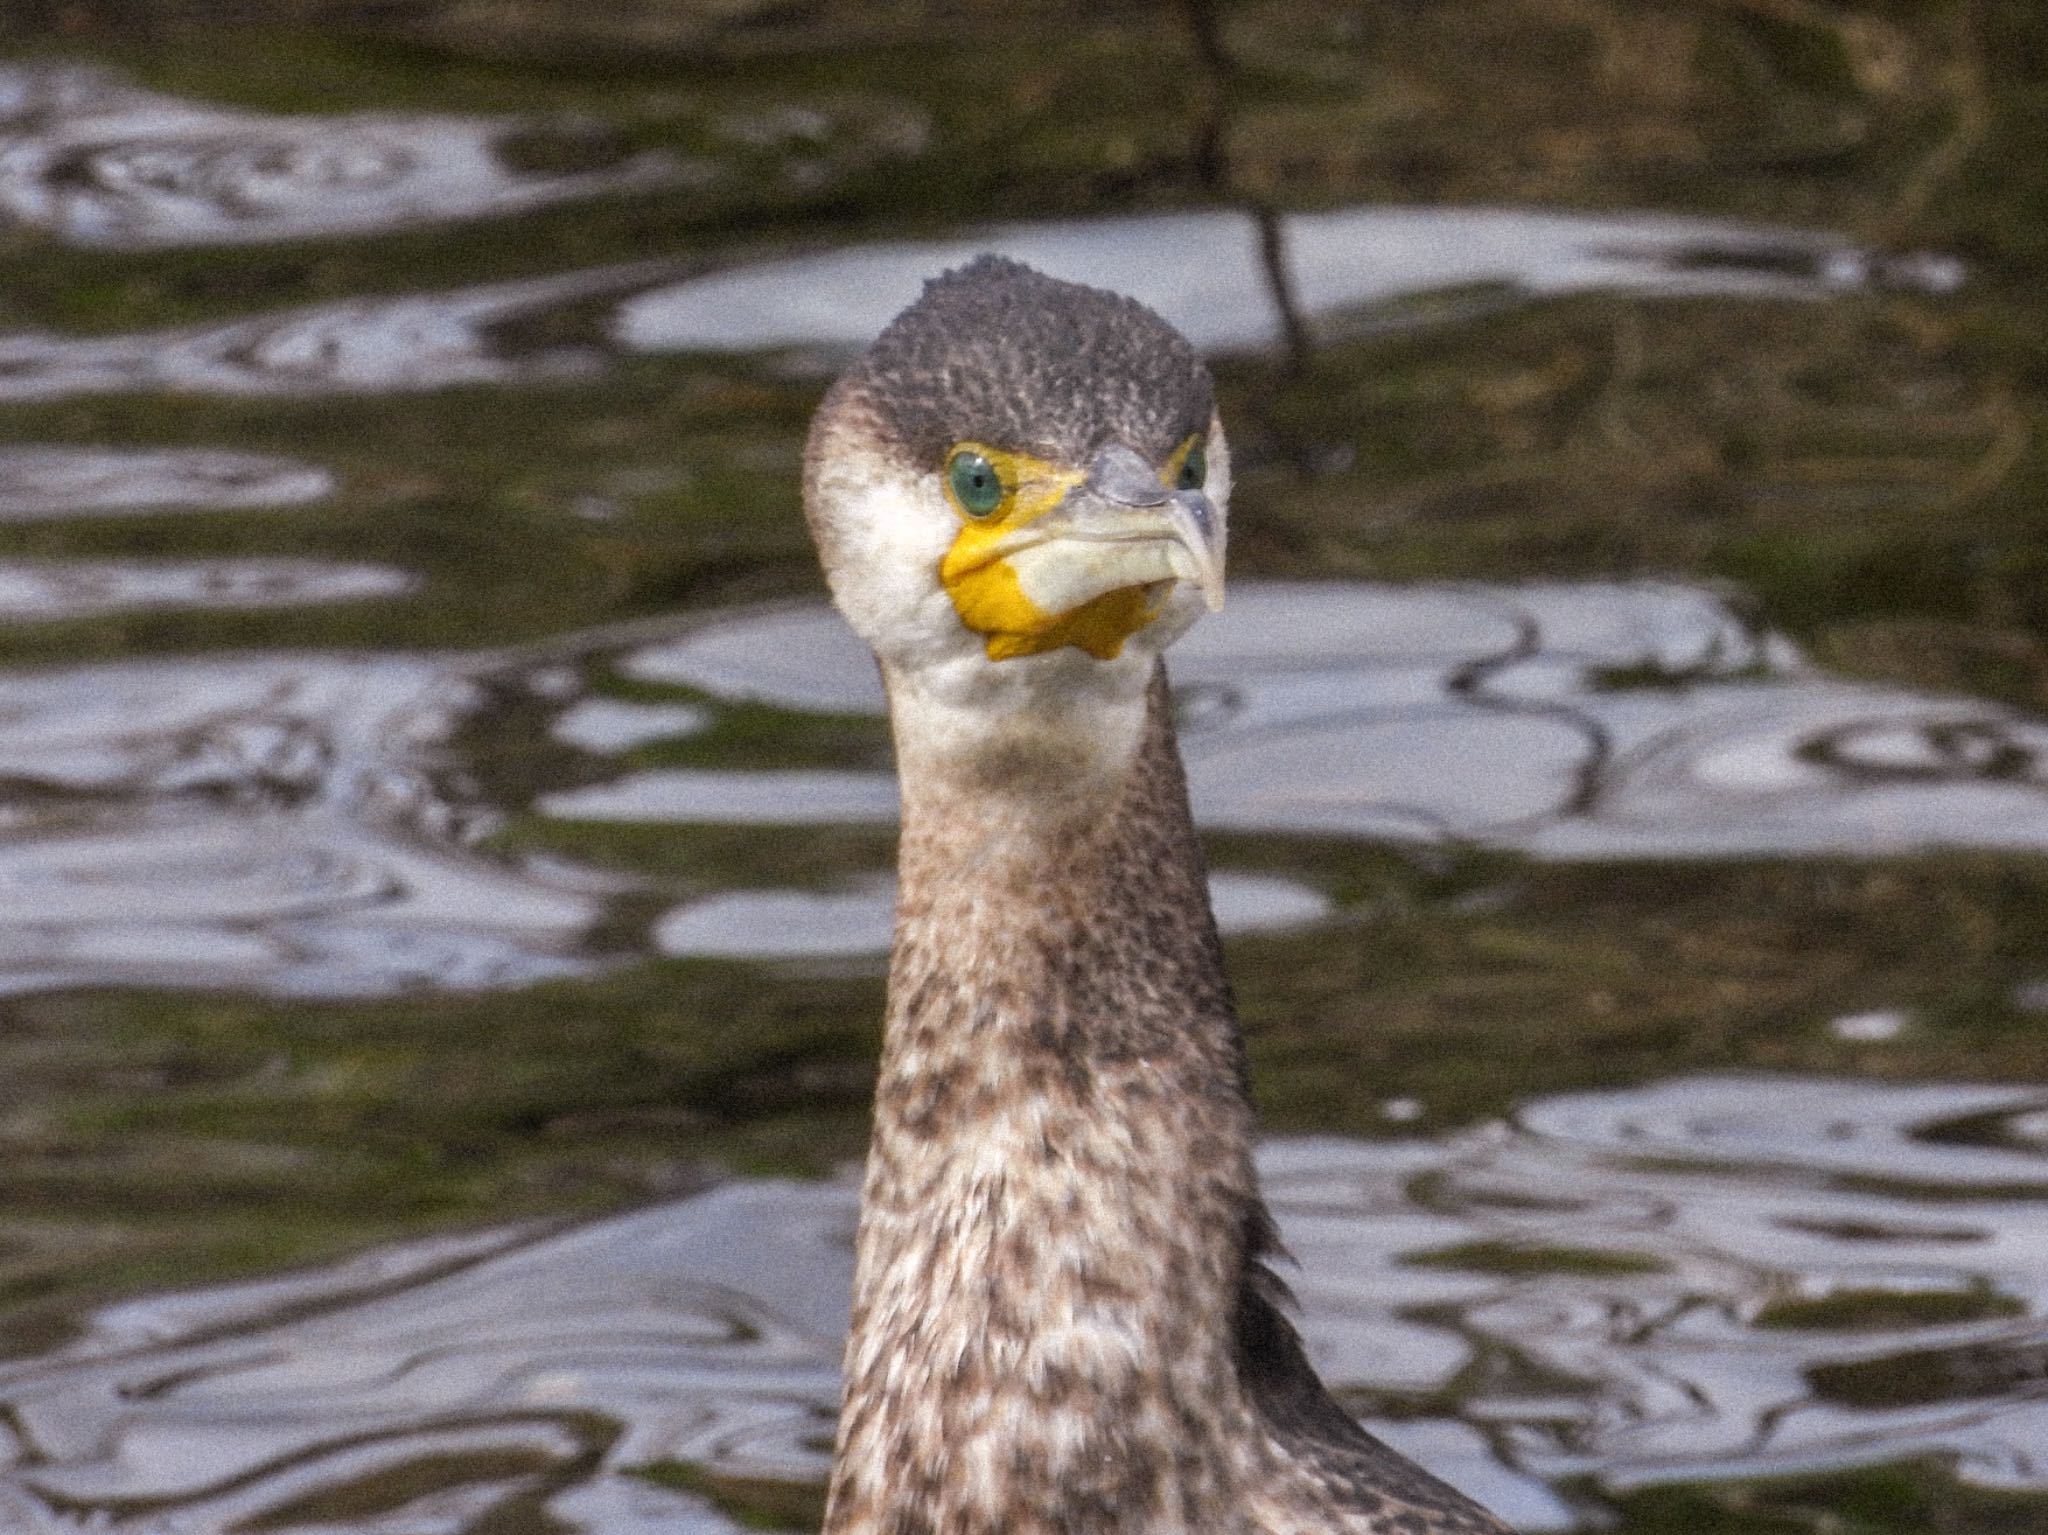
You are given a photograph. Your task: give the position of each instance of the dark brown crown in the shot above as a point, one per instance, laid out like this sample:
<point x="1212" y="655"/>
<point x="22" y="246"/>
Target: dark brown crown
<point x="995" y="352"/>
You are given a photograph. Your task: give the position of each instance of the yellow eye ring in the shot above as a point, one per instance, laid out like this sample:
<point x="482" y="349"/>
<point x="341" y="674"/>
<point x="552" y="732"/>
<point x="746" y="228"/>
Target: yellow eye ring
<point x="1187" y="468"/>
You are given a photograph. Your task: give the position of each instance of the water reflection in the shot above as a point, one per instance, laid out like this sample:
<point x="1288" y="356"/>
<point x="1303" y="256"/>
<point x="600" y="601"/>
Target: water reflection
<point x="1574" y="720"/>
<point x="303" y="823"/>
<point x="41" y="590"/>
<point x="1606" y="1266"/>
<point x="300" y="824"/>
<point x="417" y="341"/>
<point x="1202" y="270"/>
<point x="1206" y="272"/>
<point x="38" y="483"/>
<point x="285" y="823"/>
<point x="605" y="725"/>
<point x="1699" y="1279"/>
<point x="97" y="161"/>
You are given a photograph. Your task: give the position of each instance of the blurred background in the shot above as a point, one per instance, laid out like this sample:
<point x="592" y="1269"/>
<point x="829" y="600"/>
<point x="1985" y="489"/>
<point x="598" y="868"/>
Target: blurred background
<point x="446" y="840"/>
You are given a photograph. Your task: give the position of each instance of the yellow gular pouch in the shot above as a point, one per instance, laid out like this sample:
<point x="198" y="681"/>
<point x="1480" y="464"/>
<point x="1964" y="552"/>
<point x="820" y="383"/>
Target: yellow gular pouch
<point x="982" y="575"/>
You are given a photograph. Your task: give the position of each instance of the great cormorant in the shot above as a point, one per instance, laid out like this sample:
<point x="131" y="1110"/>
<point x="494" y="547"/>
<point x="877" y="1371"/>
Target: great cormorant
<point x="1064" y="1320"/>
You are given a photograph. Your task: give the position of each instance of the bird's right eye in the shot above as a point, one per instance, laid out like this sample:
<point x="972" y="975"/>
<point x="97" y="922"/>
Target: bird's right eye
<point x="976" y="485"/>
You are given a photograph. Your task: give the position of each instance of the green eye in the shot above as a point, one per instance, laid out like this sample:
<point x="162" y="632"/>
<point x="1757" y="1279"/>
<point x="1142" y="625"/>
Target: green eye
<point x="975" y="483"/>
<point x="1194" y="469"/>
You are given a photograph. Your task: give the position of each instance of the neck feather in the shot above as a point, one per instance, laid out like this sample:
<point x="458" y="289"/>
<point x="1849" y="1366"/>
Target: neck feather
<point x="1059" y="1199"/>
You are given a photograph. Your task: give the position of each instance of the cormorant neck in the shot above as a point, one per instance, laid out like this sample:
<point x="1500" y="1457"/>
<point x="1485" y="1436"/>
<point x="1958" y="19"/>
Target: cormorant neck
<point x="1059" y="1200"/>
<point x="997" y="761"/>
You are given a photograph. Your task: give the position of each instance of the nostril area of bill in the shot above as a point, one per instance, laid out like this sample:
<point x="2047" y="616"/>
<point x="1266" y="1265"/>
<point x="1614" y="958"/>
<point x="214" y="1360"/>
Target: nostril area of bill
<point x="1122" y="476"/>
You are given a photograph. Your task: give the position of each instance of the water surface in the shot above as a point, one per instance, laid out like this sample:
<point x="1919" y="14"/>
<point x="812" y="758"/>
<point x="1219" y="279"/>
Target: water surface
<point x="1592" y="720"/>
<point x="448" y="838"/>
<point x="1607" y="1292"/>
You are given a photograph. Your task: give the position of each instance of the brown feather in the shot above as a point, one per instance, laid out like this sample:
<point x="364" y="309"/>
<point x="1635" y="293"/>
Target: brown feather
<point x="1063" y="1320"/>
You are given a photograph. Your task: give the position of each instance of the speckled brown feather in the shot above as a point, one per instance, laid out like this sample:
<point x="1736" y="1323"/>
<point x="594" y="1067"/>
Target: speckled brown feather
<point x="1062" y="1320"/>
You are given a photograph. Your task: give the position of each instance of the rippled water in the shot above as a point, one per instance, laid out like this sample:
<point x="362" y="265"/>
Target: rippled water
<point x="1347" y="264"/>
<point x="273" y="821"/>
<point x="50" y="482"/>
<point x="99" y="162"/>
<point x="89" y="588"/>
<point x="302" y="823"/>
<point x="1595" y="1280"/>
<point x="418" y="341"/>
<point x="164" y="179"/>
<point x="1578" y="721"/>
<point x="222" y="801"/>
<point x="1208" y="272"/>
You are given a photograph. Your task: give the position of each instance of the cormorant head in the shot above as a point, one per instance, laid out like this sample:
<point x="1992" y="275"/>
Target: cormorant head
<point x="1023" y="480"/>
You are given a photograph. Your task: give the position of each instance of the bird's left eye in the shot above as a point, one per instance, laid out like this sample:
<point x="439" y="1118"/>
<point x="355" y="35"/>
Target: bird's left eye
<point x="1194" y="469"/>
<point x="976" y="485"/>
